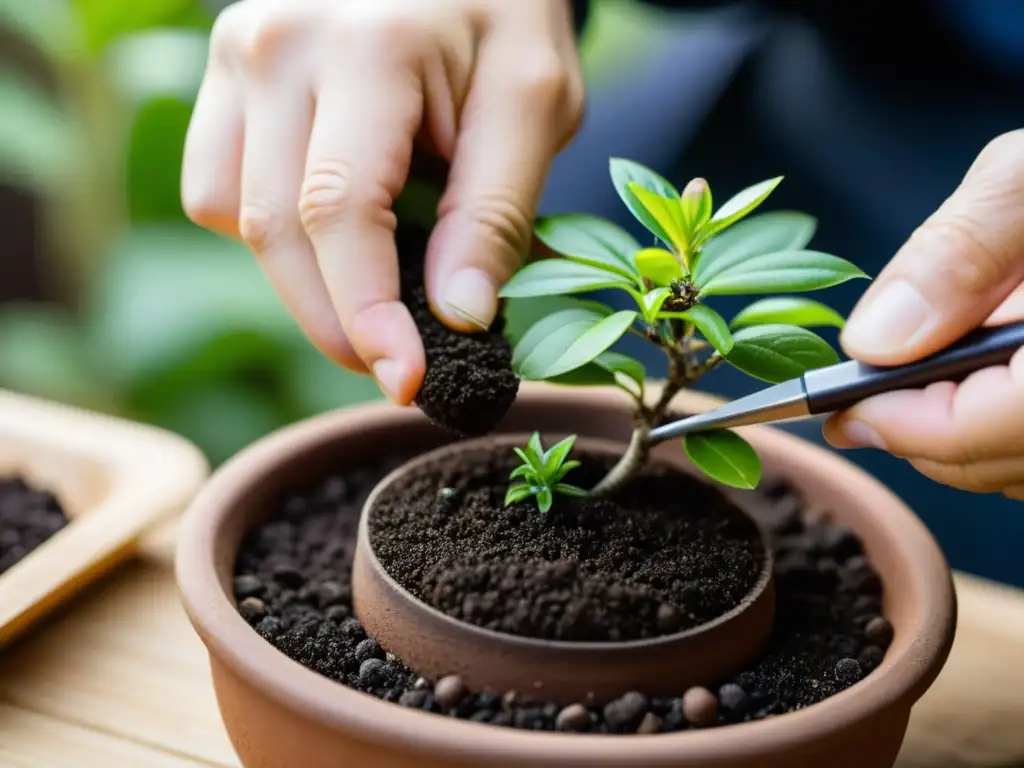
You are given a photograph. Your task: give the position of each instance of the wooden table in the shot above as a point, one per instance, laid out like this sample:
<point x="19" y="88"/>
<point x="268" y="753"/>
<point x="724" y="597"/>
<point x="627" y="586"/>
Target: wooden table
<point x="118" y="680"/>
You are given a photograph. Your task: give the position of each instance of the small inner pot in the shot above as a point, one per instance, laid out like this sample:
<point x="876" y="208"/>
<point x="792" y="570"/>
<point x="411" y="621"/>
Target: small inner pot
<point x="662" y="586"/>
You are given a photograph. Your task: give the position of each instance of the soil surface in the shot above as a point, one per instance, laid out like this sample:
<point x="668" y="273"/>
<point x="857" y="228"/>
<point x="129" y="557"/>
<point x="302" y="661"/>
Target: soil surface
<point x="666" y="553"/>
<point x="28" y="517"/>
<point x="293" y="585"/>
<point x="469" y="384"/>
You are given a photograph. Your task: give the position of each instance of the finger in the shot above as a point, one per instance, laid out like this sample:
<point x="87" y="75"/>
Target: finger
<point x="358" y="160"/>
<point x="520" y="110"/>
<point x="987" y="476"/>
<point x="979" y="420"/>
<point x="1010" y="311"/>
<point x="1015" y="492"/>
<point x="212" y="161"/>
<point x="278" y="122"/>
<point x="954" y="271"/>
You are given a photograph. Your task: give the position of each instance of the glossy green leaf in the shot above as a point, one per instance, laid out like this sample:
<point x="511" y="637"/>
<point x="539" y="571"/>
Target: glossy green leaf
<point x="517" y="493"/>
<point x="566" y="323"/>
<point x="535" y="450"/>
<point x="739" y="205"/>
<point x="667" y="212"/>
<point x="553" y="277"/>
<point x="777" y="353"/>
<point x="523" y="470"/>
<point x="572" y="344"/>
<point x="563" y="470"/>
<point x="781" y="272"/>
<point x="569" y="490"/>
<point x="764" y="233"/>
<point x="522" y="314"/>
<point x="589" y="375"/>
<point x="557" y="454"/>
<point x="527" y="458"/>
<point x="652" y="302"/>
<point x="708" y="322"/>
<point x="544" y="500"/>
<point x="590" y="240"/>
<point x="697" y="204"/>
<point x="623" y="173"/>
<point x="790" y="310"/>
<point x="659" y="266"/>
<point x="725" y="457"/>
<point x="617" y="363"/>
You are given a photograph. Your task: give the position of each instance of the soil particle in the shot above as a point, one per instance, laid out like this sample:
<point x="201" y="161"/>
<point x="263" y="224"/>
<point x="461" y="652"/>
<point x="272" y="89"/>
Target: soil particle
<point x="879" y="630"/>
<point x="28" y="517"/>
<point x="816" y="626"/>
<point x="449" y="691"/>
<point x="626" y="712"/>
<point x="575" y="717"/>
<point x="666" y="553"/>
<point x="700" y="707"/>
<point x="469" y="383"/>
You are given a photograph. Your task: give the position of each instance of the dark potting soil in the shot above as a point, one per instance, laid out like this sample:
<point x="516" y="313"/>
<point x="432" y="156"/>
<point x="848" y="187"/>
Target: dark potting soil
<point x="666" y="553"/>
<point x="28" y="517"/>
<point x="293" y="585"/>
<point x="469" y="383"/>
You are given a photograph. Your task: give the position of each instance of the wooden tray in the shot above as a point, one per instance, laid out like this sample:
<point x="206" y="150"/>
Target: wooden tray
<point x="114" y="478"/>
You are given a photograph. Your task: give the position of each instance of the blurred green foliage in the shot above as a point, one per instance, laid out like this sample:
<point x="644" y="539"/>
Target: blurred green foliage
<point x="173" y="326"/>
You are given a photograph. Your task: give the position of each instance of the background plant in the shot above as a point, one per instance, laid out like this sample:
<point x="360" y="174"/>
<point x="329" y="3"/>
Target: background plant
<point x="698" y="253"/>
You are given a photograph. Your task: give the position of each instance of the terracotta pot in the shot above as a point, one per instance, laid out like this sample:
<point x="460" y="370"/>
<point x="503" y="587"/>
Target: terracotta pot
<point x="436" y="645"/>
<point x="282" y="715"/>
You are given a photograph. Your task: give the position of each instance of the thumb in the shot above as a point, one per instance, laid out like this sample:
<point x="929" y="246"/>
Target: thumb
<point x="954" y="271"/>
<point x="515" y="119"/>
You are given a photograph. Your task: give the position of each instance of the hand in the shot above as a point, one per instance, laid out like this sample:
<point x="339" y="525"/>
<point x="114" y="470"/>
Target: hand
<point x="304" y="130"/>
<point x="961" y="269"/>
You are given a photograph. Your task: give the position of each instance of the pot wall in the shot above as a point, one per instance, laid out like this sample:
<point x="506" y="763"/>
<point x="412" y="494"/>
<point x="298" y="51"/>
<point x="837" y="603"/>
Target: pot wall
<point x="281" y="715"/>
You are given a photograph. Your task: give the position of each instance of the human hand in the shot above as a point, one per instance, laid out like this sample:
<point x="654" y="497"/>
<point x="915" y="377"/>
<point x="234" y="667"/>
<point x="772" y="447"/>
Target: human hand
<point x="962" y="268"/>
<point x="302" y="137"/>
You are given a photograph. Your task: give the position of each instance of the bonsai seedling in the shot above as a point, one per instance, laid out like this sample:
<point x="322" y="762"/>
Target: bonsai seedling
<point x="698" y="253"/>
<point x="542" y="472"/>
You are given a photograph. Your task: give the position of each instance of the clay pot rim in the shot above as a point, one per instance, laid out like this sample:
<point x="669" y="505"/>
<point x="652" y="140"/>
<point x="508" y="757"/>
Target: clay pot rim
<point x="519" y="642"/>
<point x="911" y="664"/>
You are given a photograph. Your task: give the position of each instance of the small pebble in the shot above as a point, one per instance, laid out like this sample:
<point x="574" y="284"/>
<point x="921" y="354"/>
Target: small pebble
<point x="509" y="700"/>
<point x="413" y="699"/>
<point x="368" y="649"/>
<point x="668" y="617"/>
<point x="287" y="576"/>
<point x="269" y="626"/>
<point x="248" y="586"/>
<point x="331" y="592"/>
<point x="650" y="724"/>
<point x="371" y="673"/>
<point x="626" y="712"/>
<point x="338" y="613"/>
<point x="252" y="609"/>
<point x="848" y="671"/>
<point x="879" y="631"/>
<point x="870" y="657"/>
<point x="732" y="698"/>
<point x="700" y="707"/>
<point x="449" y="690"/>
<point x="575" y="717"/>
<point x="421" y="684"/>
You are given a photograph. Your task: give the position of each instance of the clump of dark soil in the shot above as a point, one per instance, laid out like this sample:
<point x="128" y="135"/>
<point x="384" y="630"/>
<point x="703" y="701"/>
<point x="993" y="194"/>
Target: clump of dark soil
<point x="28" y="517"/>
<point x="666" y="553"/>
<point x="469" y="383"/>
<point x="293" y="585"/>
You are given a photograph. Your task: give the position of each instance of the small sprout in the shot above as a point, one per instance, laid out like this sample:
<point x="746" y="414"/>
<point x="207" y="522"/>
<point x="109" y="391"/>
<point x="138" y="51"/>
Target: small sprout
<point x="542" y="472"/>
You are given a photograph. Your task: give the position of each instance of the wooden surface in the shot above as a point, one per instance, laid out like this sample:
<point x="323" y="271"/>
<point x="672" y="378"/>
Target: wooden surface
<point x="118" y="680"/>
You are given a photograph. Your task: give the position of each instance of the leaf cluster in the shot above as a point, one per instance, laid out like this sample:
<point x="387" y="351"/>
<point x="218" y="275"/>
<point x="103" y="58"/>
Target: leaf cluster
<point x="542" y="473"/>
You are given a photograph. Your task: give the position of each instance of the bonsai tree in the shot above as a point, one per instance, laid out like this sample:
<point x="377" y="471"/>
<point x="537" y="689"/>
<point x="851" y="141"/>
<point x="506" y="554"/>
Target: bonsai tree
<point x="698" y="253"/>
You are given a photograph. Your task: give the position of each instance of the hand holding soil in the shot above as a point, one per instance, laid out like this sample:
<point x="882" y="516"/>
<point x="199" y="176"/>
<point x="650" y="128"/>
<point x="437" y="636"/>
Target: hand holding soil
<point x="303" y="135"/>
<point x="961" y="269"/>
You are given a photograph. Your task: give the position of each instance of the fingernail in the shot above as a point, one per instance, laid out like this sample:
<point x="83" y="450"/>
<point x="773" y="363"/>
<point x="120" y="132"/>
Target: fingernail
<point x="893" y="320"/>
<point x="472" y="296"/>
<point x="389" y="375"/>
<point x="861" y="435"/>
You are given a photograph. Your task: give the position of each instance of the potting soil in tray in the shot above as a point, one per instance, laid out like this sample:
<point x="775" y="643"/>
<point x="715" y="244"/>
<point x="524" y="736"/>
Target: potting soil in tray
<point x="666" y="553"/>
<point x="28" y="517"/>
<point x="293" y="577"/>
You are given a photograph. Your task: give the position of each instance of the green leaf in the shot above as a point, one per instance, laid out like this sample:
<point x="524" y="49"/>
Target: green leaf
<point x="777" y="353"/>
<point x="557" y="454"/>
<point x="764" y="233"/>
<point x="623" y="173"/>
<point x="517" y="493"/>
<point x="522" y="314"/>
<point x="544" y="500"/>
<point x="589" y="375"/>
<point x="617" y="363"/>
<point x="557" y="323"/>
<point x="659" y="266"/>
<point x="522" y="470"/>
<point x="527" y="458"/>
<point x="668" y="212"/>
<point x="652" y="302"/>
<point x="791" y="310"/>
<point x="535" y="451"/>
<point x="697" y="204"/>
<point x="783" y="271"/>
<point x="725" y="457"/>
<point x="563" y="470"/>
<point x="553" y="277"/>
<point x="590" y="240"/>
<point x="708" y="322"/>
<point x="573" y="345"/>
<point x="739" y="205"/>
<point x="569" y="490"/>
